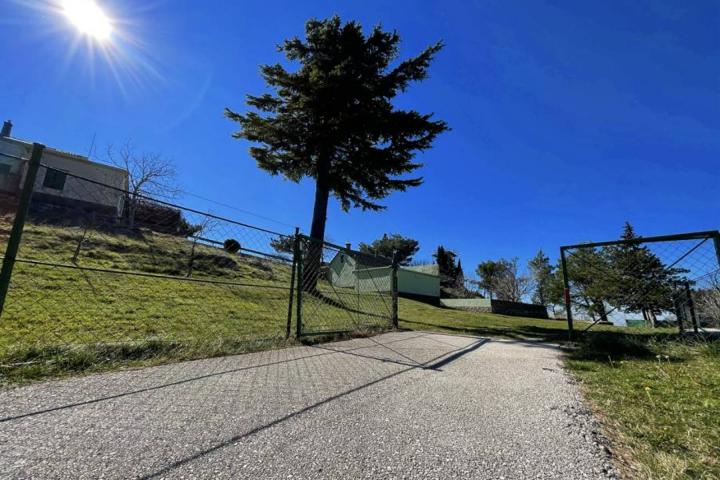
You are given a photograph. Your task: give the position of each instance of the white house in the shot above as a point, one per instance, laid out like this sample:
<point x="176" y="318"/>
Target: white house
<point x="63" y="176"/>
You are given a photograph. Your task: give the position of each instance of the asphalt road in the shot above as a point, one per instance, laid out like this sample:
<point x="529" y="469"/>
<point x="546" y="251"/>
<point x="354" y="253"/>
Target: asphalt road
<point x="399" y="405"/>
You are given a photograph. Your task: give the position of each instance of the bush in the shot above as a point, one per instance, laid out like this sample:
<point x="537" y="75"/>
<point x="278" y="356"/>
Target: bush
<point x="231" y="245"/>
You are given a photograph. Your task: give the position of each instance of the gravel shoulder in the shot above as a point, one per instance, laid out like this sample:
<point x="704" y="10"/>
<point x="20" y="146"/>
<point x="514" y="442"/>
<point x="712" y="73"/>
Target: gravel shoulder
<point x="398" y="405"/>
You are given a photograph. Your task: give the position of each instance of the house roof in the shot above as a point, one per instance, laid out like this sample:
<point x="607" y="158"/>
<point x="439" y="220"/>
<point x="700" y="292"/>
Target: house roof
<point x="65" y="154"/>
<point x="428" y="268"/>
<point x="363" y="259"/>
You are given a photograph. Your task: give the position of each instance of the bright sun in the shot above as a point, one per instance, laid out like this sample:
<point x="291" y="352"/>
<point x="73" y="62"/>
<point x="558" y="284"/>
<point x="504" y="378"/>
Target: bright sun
<point x="88" y="18"/>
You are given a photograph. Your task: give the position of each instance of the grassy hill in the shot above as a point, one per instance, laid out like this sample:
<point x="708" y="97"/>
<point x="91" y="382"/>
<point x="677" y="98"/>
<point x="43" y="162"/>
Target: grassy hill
<point x="132" y="302"/>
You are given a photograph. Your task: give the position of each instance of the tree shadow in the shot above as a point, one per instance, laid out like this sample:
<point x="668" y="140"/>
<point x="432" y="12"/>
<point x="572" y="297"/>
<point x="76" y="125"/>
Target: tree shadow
<point x="590" y="345"/>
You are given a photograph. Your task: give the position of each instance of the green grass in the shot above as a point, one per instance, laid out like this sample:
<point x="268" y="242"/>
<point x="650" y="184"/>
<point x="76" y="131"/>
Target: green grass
<point x="659" y="397"/>
<point x="420" y="316"/>
<point x="59" y="320"/>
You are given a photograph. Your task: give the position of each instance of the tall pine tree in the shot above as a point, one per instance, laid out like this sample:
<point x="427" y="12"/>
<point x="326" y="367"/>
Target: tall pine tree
<point x="333" y="120"/>
<point x="541" y="271"/>
<point x="641" y="282"/>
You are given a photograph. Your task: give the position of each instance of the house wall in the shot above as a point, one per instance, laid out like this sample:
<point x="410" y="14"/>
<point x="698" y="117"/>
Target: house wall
<point x="341" y="271"/>
<point x="418" y="283"/>
<point x="10" y="181"/>
<point x="77" y="189"/>
<point x="344" y="272"/>
<point x="74" y="188"/>
<point x="377" y="279"/>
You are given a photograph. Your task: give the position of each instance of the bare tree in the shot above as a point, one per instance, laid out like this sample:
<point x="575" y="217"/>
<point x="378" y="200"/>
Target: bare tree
<point x="511" y="285"/>
<point x="149" y="174"/>
<point x="201" y="231"/>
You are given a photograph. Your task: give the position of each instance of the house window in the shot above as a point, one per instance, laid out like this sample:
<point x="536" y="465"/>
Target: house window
<point x="4" y="169"/>
<point x="54" y="179"/>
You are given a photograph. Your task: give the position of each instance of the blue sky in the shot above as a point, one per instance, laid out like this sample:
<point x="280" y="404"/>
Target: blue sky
<point x="568" y="118"/>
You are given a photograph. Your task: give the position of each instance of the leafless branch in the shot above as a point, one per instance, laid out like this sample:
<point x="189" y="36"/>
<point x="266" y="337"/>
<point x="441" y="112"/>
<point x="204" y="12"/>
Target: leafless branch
<point x="148" y="173"/>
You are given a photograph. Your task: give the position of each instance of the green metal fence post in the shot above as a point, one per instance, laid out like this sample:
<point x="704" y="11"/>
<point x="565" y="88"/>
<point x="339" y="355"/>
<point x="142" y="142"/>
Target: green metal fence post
<point x="292" y="283"/>
<point x="566" y="283"/>
<point x="394" y="289"/>
<point x="716" y="240"/>
<point x="19" y="223"/>
<point x="300" y="261"/>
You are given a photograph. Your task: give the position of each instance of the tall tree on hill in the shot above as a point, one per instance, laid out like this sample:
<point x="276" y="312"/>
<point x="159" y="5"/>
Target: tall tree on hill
<point x="403" y="247"/>
<point x="541" y="271"/>
<point x="447" y="267"/>
<point x="489" y="272"/>
<point x="641" y="282"/>
<point x="591" y="276"/>
<point x="459" y="276"/>
<point x="333" y="120"/>
<point x="510" y="284"/>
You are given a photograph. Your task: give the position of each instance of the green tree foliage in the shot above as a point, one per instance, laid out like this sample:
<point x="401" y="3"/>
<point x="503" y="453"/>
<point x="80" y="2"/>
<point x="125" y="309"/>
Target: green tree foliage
<point x="541" y="273"/>
<point x="333" y="119"/>
<point x="641" y="282"/>
<point x="459" y="275"/>
<point x="512" y="285"/>
<point x="451" y="275"/>
<point x="403" y="247"/>
<point x="284" y="244"/>
<point x="591" y="279"/>
<point x="627" y="276"/>
<point x="502" y="280"/>
<point x="490" y="272"/>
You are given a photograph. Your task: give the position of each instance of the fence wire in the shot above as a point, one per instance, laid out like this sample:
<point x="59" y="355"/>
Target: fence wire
<point x="343" y="290"/>
<point x="104" y="277"/>
<point x="671" y="281"/>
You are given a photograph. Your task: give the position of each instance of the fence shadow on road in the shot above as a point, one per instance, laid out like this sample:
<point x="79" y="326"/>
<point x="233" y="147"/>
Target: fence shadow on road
<point x="434" y="363"/>
<point x="312" y="352"/>
<point x="535" y="337"/>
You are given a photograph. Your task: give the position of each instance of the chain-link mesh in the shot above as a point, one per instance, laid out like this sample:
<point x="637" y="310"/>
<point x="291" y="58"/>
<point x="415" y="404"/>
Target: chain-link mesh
<point x="105" y="277"/>
<point x="343" y="290"/>
<point x="662" y="281"/>
<point x="10" y="178"/>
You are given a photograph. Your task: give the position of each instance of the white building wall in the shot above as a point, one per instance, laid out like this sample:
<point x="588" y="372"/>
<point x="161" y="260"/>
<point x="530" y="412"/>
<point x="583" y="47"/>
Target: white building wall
<point x="79" y="189"/>
<point x="73" y="188"/>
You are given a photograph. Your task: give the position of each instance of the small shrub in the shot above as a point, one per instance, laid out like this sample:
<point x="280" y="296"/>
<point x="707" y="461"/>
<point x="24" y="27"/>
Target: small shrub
<point x="231" y="245"/>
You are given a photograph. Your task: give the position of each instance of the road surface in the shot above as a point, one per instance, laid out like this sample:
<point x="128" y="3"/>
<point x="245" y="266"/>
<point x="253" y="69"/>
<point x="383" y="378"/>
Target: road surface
<point x="398" y="405"/>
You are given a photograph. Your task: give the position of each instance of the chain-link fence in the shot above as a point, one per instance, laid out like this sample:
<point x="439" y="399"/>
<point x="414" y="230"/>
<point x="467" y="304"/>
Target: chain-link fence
<point x="103" y="277"/>
<point x="343" y="290"/>
<point x="670" y="281"/>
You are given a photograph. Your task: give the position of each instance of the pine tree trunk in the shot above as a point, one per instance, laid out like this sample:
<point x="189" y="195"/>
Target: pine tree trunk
<point x="603" y="312"/>
<point x="313" y="251"/>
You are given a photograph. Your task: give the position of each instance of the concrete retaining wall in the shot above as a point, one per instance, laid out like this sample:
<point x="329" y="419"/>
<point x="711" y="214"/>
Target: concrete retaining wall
<point x="501" y="307"/>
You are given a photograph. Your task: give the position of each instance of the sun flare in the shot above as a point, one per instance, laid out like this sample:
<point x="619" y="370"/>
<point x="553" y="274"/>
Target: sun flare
<point x="88" y="18"/>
